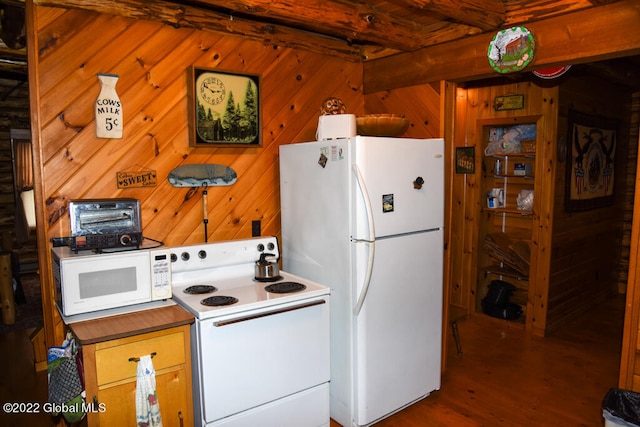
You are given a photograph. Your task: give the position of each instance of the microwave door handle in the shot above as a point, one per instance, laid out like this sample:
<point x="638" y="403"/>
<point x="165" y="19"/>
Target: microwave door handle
<point x="370" y="242"/>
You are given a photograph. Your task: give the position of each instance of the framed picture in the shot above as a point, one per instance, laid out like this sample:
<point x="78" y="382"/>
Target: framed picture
<point x="591" y="156"/>
<point x="465" y="160"/>
<point x="224" y="108"/>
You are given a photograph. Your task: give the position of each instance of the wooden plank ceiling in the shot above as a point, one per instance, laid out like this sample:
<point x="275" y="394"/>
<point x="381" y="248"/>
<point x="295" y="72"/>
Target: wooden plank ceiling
<point x="358" y="31"/>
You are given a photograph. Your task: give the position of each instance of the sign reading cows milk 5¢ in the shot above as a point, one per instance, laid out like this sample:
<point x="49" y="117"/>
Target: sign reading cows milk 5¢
<point x="108" y="108"/>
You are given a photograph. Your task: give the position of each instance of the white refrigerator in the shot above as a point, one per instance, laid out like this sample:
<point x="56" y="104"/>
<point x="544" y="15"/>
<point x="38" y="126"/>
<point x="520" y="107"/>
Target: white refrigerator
<point x="364" y="215"/>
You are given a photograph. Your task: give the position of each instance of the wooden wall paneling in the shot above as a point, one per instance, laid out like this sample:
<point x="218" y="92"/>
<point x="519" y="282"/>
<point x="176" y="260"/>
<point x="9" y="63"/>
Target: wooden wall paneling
<point x="542" y="225"/>
<point x="472" y="200"/>
<point x="152" y="62"/>
<point x="79" y="150"/>
<point x="457" y="293"/>
<point x="64" y="109"/>
<point x="420" y="104"/>
<point x="459" y="289"/>
<point x="448" y="92"/>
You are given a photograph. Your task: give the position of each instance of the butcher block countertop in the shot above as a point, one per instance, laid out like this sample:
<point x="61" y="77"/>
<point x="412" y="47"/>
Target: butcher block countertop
<point x="125" y="325"/>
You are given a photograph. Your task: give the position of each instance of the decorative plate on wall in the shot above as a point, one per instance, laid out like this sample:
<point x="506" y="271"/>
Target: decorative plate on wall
<point x="511" y="50"/>
<point x="552" y="73"/>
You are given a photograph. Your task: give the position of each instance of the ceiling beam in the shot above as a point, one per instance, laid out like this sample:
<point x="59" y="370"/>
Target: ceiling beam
<point x="536" y="10"/>
<point x="484" y="14"/>
<point x="182" y="16"/>
<point x="559" y="41"/>
<point x="354" y="22"/>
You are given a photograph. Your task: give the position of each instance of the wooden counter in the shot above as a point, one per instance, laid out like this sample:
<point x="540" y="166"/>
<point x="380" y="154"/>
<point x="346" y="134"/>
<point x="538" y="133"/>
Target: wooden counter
<point x="125" y="325"/>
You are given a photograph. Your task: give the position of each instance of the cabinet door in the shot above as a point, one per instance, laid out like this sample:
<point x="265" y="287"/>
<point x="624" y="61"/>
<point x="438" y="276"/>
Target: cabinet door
<point x="119" y="401"/>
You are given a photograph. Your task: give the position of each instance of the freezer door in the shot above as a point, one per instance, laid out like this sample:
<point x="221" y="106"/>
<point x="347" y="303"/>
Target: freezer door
<point x="314" y="197"/>
<point x="404" y="179"/>
<point x="398" y="332"/>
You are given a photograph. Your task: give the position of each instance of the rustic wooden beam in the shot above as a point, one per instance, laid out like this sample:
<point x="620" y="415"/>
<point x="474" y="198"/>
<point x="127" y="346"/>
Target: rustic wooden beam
<point x="577" y="37"/>
<point x="353" y="21"/>
<point x="182" y="16"/>
<point x="520" y="12"/>
<point x="441" y="32"/>
<point x="484" y="14"/>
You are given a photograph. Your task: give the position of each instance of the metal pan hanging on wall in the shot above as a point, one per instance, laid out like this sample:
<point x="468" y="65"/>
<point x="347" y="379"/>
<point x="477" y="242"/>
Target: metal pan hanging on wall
<point x="203" y="175"/>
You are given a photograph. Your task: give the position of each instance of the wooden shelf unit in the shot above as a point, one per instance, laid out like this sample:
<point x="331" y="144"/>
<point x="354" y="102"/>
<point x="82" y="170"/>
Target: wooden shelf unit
<point x="512" y="175"/>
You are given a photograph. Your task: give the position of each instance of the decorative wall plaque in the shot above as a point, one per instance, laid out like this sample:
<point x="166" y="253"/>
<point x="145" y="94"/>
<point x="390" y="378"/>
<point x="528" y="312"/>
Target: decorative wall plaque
<point x="511" y="50"/>
<point x="108" y="108"/>
<point x="137" y="178"/>
<point x="508" y="102"/>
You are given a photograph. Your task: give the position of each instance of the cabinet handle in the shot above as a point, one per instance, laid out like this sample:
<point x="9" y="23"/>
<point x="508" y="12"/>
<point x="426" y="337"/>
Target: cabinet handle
<point x="181" y="418"/>
<point x="137" y="359"/>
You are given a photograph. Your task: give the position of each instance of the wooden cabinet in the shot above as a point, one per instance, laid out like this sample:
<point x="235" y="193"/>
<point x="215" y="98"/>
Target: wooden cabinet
<point x="110" y="353"/>
<point x="507" y="207"/>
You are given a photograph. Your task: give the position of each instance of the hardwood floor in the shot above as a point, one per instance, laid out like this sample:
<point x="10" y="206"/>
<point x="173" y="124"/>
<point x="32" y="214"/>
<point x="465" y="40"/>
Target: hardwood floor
<point x="19" y="383"/>
<point x="505" y="378"/>
<point x="502" y="378"/>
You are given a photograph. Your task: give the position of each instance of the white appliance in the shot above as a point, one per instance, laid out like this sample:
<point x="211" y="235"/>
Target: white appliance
<point x="365" y="216"/>
<point x="260" y="349"/>
<point x="89" y="282"/>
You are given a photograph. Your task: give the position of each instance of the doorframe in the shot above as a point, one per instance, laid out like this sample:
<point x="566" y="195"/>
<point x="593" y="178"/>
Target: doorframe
<point x="632" y="304"/>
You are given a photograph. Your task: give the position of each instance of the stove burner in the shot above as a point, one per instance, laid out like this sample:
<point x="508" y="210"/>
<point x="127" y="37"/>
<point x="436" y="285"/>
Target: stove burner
<point x="219" y="300"/>
<point x="285" y="287"/>
<point x="200" y="289"/>
<point x="268" y="279"/>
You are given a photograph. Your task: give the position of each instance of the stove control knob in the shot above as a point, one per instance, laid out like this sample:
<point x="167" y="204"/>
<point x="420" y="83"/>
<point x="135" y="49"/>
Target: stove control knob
<point x="185" y="256"/>
<point x="202" y="254"/>
<point x="271" y="246"/>
<point x="174" y="257"/>
<point x="260" y="247"/>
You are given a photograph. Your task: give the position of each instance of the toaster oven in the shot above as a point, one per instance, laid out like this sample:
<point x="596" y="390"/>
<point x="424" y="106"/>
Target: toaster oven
<point x="105" y="223"/>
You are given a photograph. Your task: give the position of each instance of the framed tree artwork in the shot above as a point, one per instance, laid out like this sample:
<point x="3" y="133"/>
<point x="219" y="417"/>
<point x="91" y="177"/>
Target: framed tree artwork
<point x="224" y="108"/>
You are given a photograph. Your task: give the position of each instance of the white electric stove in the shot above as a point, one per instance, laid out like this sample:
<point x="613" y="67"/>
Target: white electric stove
<point x="260" y="349"/>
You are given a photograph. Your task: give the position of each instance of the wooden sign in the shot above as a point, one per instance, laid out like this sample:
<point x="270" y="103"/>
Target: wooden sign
<point x="509" y="102"/>
<point x="108" y="108"/>
<point x="137" y="179"/>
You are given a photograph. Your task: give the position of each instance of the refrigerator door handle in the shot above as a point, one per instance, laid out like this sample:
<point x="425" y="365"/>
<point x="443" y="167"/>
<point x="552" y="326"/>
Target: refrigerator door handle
<point x="370" y="242"/>
<point x="367" y="203"/>
<point x="367" y="279"/>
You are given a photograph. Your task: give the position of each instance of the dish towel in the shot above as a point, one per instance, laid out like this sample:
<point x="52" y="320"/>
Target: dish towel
<point x="147" y="406"/>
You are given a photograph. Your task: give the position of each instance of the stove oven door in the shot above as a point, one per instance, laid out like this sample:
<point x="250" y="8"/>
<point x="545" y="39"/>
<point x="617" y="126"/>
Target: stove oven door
<point x="266" y="364"/>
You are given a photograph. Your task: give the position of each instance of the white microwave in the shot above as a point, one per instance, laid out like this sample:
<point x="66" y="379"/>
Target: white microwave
<point x="88" y="282"/>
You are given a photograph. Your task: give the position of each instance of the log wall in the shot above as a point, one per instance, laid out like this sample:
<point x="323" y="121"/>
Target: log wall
<point x="14" y="114"/>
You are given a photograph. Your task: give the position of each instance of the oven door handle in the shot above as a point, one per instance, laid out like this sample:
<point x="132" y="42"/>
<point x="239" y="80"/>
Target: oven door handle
<point x="269" y="313"/>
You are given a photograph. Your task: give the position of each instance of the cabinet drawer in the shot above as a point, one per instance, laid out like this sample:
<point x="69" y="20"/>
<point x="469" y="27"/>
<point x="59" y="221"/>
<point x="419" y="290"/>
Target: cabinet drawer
<point x="112" y="364"/>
